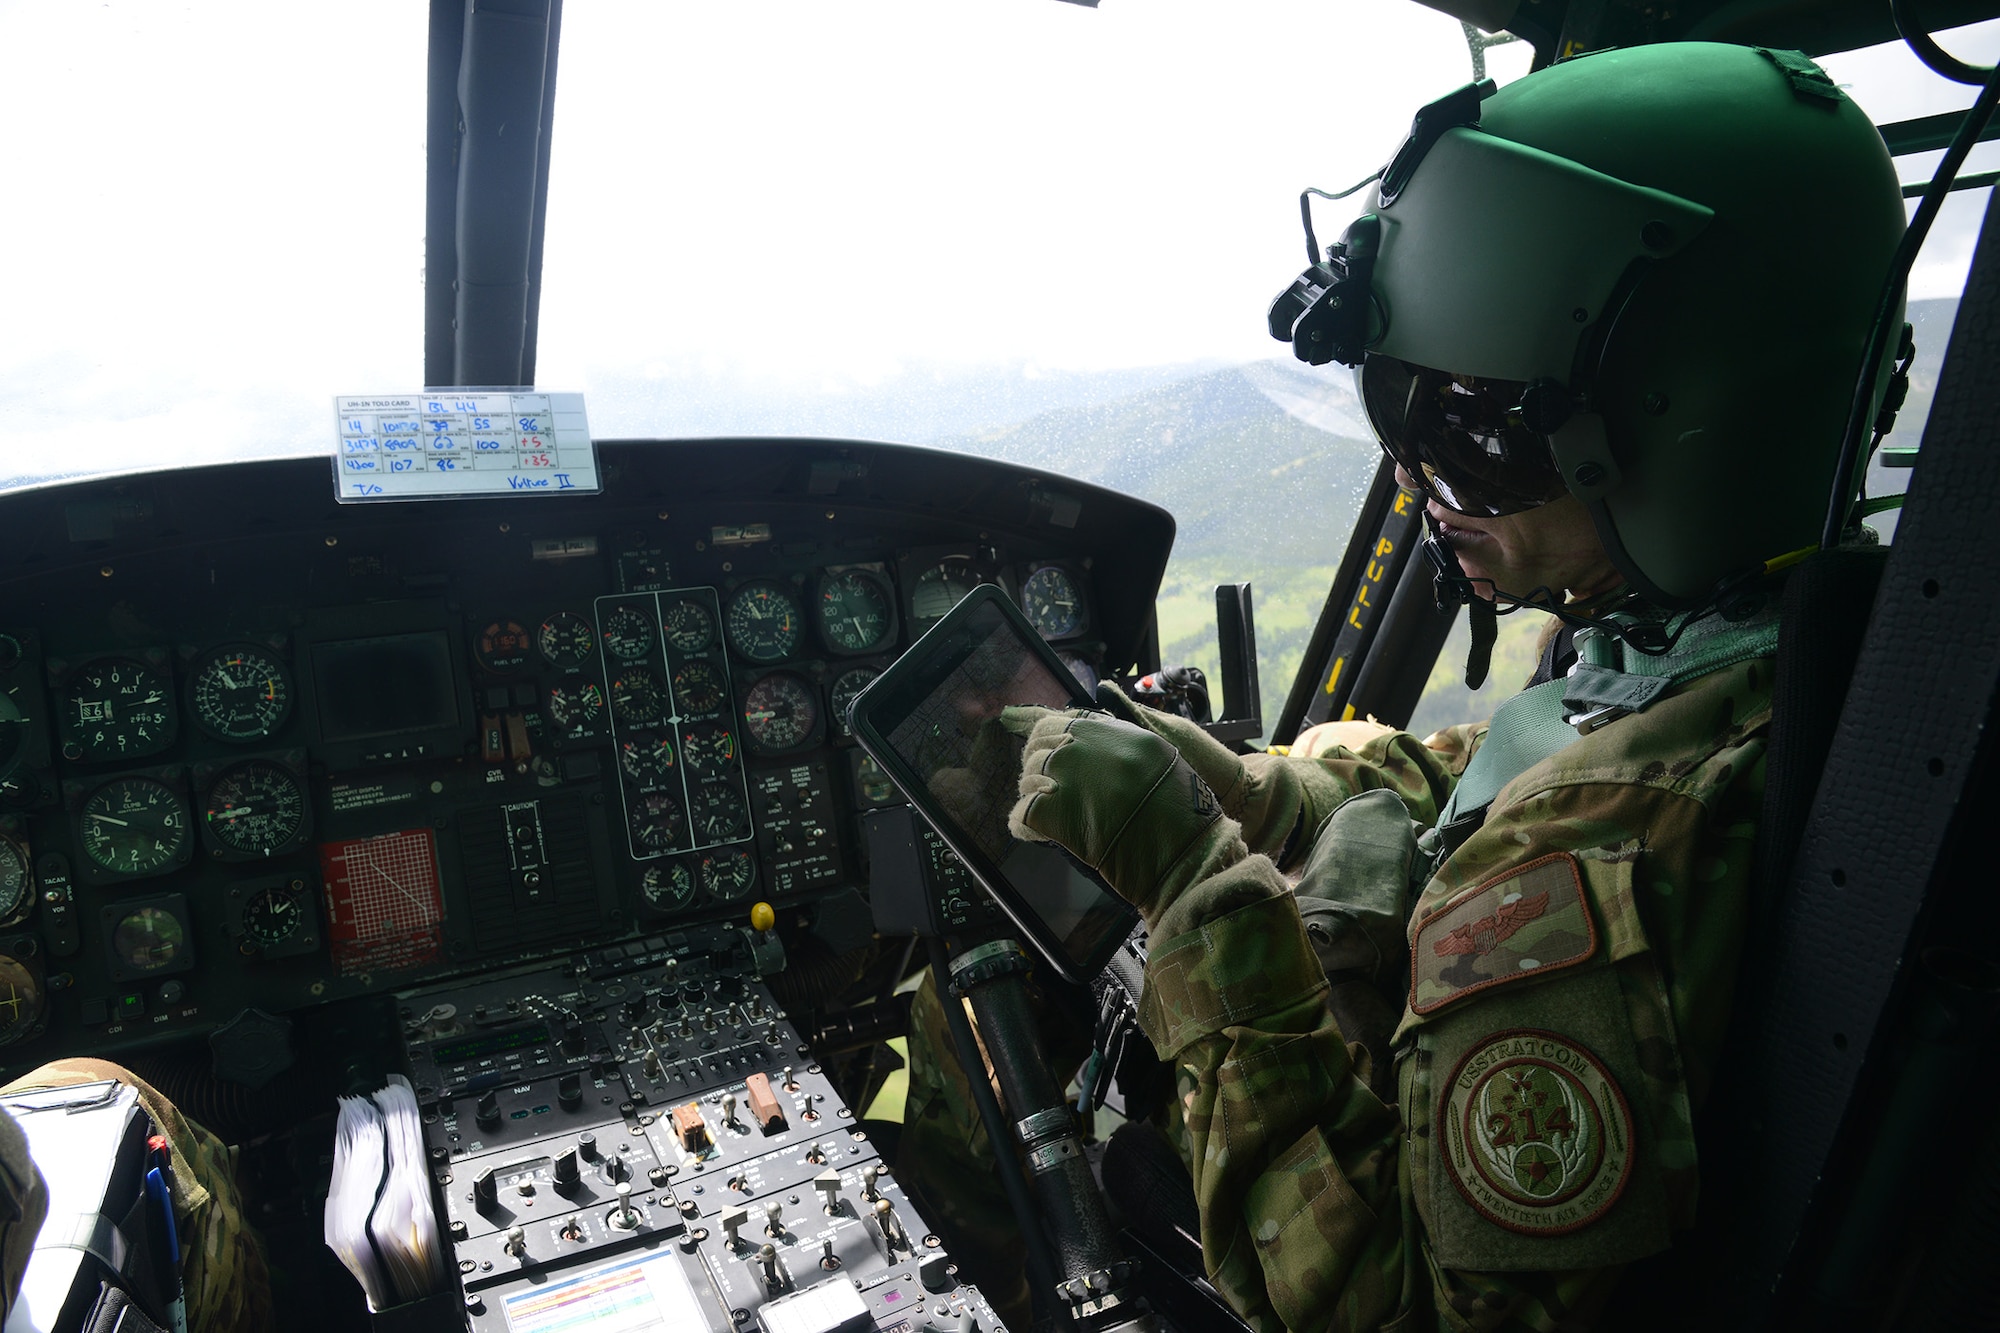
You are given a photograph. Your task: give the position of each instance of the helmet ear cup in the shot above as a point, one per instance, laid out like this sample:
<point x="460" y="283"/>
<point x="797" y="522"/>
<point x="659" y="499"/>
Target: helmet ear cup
<point x="1724" y="420"/>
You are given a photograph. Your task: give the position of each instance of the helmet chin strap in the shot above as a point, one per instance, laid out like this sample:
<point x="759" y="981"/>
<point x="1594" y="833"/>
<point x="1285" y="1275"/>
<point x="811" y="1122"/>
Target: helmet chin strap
<point x="1451" y="586"/>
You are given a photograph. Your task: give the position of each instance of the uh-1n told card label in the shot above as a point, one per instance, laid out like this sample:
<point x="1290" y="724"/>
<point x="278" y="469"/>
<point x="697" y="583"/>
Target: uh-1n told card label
<point x="445" y="444"/>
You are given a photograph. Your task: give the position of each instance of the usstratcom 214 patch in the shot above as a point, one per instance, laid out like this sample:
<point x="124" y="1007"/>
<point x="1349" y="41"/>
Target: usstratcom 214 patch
<point x="1538" y="1136"/>
<point x="1529" y="921"/>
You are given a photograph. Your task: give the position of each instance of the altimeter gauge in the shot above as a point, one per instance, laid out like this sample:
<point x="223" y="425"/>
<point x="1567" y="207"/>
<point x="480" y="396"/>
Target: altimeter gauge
<point x="116" y="708"/>
<point x="254" y="809"/>
<point x="239" y="692"/>
<point x="132" y="827"/>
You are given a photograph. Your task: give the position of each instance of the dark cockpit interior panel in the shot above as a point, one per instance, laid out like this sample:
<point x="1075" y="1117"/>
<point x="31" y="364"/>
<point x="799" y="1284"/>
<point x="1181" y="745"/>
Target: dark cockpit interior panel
<point x="261" y="751"/>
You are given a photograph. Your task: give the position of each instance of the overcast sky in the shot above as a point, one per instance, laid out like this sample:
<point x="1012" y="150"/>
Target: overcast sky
<point x="216" y="210"/>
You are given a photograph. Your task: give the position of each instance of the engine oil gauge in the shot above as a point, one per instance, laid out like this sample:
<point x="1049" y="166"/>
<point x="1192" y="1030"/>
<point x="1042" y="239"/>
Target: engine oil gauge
<point x="566" y="640"/>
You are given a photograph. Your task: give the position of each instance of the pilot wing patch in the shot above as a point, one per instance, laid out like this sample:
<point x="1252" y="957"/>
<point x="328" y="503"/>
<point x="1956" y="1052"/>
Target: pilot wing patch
<point x="1531" y="920"/>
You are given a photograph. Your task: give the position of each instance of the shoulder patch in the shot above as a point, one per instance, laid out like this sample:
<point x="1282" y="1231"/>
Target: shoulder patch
<point x="1531" y="920"/>
<point x="1538" y="1136"/>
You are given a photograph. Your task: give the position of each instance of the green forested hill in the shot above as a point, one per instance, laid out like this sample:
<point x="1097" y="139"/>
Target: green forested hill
<point x="1263" y="468"/>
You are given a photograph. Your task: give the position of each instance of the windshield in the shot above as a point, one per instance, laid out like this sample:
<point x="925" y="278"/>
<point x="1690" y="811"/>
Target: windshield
<point x="1009" y="227"/>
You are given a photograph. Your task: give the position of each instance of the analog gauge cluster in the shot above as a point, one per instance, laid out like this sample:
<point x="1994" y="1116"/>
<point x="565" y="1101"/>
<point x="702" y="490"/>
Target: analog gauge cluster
<point x="668" y="698"/>
<point x="275" y="917"/>
<point x="131" y="826"/>
<point x="563" y="649"/>
<point x="254" y="808"/>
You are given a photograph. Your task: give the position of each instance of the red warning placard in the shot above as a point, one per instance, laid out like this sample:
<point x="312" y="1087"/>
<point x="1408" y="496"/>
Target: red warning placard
<point x="383" y="910"/>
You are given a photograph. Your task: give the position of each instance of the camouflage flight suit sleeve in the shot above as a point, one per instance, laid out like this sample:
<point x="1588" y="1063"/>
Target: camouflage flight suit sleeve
<point x="1395" y="760"/>
<point x="1572" y="966"/>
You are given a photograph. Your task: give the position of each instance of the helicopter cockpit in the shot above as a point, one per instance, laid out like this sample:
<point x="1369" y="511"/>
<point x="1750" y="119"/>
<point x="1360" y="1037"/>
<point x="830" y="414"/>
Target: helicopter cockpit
<point x="541" y="795"/>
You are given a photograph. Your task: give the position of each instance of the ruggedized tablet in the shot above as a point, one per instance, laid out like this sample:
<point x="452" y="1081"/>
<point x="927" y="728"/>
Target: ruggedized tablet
<point x="932" y="721"/>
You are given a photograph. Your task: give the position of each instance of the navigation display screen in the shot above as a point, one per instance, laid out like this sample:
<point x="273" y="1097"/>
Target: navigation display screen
<point x="390" y="686"/>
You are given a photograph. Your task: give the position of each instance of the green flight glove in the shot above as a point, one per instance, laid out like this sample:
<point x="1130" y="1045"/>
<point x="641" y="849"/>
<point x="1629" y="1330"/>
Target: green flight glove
<point x="1271" y="797"/>
<point x="1121" y="800"/>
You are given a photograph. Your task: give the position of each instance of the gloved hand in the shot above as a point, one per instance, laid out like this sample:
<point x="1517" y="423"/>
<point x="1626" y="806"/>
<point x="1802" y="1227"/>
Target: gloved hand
<point x="1123" y="801"/>
<point x="1268" y="796"/>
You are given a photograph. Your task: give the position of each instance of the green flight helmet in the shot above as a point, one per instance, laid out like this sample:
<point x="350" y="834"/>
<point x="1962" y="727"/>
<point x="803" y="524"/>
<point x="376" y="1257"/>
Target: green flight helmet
<point x="1663" y="263"/>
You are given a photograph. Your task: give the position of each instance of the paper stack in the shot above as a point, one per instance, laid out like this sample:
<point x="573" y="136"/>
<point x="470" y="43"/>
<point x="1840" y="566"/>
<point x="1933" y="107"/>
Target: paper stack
<point x="379" y="1218"/>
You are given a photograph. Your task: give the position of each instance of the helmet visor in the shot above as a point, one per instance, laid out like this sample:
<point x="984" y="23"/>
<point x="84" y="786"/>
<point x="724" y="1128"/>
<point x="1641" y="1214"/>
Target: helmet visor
<point x="1460" y="436"/>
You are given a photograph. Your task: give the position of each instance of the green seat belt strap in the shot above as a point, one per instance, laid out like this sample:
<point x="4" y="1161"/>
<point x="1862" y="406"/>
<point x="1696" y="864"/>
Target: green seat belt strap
<point x="1539" y="722"/>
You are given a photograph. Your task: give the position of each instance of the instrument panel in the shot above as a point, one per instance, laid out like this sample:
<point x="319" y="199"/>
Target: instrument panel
<point x="261" y="751"/>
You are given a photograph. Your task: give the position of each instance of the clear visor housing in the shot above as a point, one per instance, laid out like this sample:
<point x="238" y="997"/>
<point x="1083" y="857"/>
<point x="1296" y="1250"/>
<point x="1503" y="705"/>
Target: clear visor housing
<point x="1460" y="436"/>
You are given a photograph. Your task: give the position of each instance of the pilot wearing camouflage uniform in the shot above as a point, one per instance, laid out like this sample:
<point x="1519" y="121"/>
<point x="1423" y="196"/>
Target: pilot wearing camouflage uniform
<point x="1610" y="318"/>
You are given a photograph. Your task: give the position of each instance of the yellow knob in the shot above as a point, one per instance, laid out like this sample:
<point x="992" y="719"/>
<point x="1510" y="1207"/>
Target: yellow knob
<point x="762" y="917"/>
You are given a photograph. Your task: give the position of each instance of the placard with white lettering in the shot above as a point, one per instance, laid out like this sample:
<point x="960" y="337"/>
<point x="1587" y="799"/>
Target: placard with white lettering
<point x="448" y="444"/>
